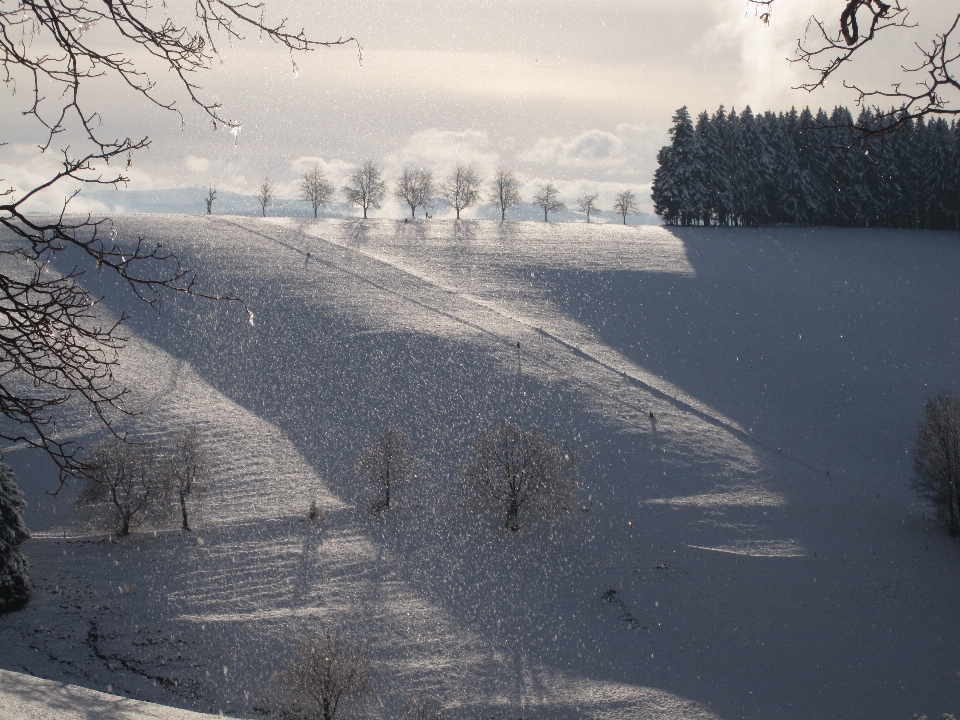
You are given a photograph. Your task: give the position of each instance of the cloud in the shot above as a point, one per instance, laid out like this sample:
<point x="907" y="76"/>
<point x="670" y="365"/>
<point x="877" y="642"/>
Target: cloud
<point x="766" y="78"/>
<point x="588" y="149"/>
<point x="440" y="150"/>
<point x="593" y="147"/>
<point x="622" y="153"/>
<point x="196" y="165"/>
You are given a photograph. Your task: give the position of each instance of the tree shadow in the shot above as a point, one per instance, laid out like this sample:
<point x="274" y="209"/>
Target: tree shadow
<point x="359" y="232"/>
<point x="464" y="231"/>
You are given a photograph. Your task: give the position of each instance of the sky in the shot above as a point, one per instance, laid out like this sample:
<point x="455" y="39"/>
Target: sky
<point x="575" y="92"/>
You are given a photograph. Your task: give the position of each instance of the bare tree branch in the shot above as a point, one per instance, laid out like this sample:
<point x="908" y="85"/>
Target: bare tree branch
<point x="936" y="93"/>
<point x="52" y="341"/>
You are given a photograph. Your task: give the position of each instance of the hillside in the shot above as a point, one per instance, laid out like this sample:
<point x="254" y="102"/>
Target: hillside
<point x="751" y="549"/>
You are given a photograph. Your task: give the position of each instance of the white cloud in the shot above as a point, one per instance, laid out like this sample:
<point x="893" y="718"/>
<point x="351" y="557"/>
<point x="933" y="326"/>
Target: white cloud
<point x="619" y="153"/>
<point x="196" y="165"/>
<point x="595" y="147"/>
<point x="440" y="150"/>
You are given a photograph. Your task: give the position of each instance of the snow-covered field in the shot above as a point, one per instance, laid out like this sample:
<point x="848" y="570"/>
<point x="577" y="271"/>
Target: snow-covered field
<point x="750" y="550"/>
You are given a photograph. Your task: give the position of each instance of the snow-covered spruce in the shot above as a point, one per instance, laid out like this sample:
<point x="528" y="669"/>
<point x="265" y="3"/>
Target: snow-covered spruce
<point x="735" y="169"/>
<point x="14" y="581"/>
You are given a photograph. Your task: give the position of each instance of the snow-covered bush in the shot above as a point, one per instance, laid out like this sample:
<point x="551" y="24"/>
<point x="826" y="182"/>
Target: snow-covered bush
<point x="14" y="582"/>
<point x="936" y="458"/>
<point x="124" y="484"/>
<point x="515" y="468"/>
<point x="386" y="463"/>
<point x="323" y="671"/>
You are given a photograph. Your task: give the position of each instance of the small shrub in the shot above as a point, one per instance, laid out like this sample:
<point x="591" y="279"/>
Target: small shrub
<point x="315" y="515"/>
<point x="323" y="670"/>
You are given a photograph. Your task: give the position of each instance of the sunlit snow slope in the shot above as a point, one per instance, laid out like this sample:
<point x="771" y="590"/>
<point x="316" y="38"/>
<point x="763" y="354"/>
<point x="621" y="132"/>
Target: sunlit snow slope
<point x="749" y="549"/>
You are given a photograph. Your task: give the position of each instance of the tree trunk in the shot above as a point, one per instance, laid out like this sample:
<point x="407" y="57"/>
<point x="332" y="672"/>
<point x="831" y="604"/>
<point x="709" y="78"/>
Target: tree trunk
<point x="314" y="212"/>
<point x="183" y="511"/>
<point x="544" y="214"/>
<point x="513" y="509"/>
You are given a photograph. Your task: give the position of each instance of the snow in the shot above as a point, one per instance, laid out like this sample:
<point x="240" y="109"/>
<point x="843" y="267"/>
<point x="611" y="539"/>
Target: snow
<point x="750" y="550"/>
<point x="31" y="698"/>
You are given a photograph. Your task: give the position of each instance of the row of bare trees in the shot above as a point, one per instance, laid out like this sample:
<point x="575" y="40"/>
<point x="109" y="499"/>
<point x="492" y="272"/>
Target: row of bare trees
<point x="461" y="189"/>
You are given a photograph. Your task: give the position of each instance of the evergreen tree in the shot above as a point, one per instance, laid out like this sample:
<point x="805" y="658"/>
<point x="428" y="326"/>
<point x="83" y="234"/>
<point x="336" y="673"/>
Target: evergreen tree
<point x="954" y="207"/>
<point x="937" y="187"/>
<point x="701" y="207"/>
<point x="732" y="151"/>
<point x="911" y="174"/>
<point x="742" y="169"/>
<point x="861" y="177"/>
<point x="788" y="192"/>
<point x="14" y="582"/>
<point x="752" y="170"/>
<point x="719" y="167"/>
<point x="672" y="182"/>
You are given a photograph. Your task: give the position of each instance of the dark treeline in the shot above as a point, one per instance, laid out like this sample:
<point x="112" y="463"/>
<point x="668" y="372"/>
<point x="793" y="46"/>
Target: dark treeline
<point x="801" y="168"/>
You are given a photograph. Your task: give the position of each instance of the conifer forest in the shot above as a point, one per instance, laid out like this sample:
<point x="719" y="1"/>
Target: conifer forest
<point x="737" y="169"/>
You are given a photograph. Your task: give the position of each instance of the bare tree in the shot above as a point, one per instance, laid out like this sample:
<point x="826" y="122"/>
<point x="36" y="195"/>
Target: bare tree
<point x="626" y="204"/>
<point x="211" y="196"/>
<point x="265" y="194"/>
<point x="461" y="189"/>
<point x="415" y="188"/>
<point x="386" y="463"/>
<point x="515" y="468"/>
<point x="936" y="91"/>
<point x="315" y="188"/>
<point x="53" y="348"/>
<point x="187" y="467"/>
<point x="546" y="199"/>
<point x="936" y="458"/>
<point x="323" y="671"/>
<point x="588" y="205"/>
<point x="367" y="187"/>
<point x="124" y="480"/>
<point x="505" y="192"/>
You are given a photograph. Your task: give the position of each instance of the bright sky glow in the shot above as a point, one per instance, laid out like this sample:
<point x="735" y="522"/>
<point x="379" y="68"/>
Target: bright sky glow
<point x="578" y="92"/>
